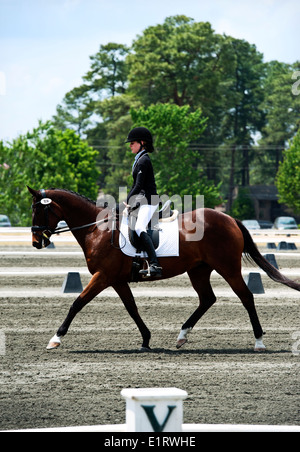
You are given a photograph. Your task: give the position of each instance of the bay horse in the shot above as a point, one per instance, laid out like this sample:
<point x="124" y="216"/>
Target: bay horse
<point x="224" y="241"/>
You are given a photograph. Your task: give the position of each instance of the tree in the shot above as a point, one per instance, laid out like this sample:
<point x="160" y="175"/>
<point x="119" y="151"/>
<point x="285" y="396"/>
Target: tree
<point x="44" y="158"/>
<point x="175" y="162"/>
<point x="75" y="110"/>
<point x="108" y="74"/>
<point x="281" y="108"/>
<point x="288" y="176"/>
<point x="243" y="207"/>
<point x="185" y="63"/>
<point x="118" y="122"/>
<point x="106" y="78"/>
<point x="243" y="93"/>
<point x="173" y="62"/>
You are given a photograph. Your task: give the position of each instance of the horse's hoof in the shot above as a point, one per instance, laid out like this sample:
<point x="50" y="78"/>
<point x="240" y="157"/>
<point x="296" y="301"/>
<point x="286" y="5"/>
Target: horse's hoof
<point x="259" y="345"/>
<point x="53" y="345"/>
<point x="145" y="349"/>
<point x="54" y="342"/>
<point x="180" y="343"/>
<point x="260" y="349"/>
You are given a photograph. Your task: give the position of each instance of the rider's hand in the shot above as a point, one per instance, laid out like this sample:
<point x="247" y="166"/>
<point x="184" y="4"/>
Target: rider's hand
<point x="126" y="210"/>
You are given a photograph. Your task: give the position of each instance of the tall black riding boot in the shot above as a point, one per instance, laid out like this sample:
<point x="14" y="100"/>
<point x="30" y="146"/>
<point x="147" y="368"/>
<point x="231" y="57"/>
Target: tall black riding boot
<point x="154" y="268"/>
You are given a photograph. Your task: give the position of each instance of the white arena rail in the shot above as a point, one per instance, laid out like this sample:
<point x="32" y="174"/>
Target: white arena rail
<point x="161" y="410"/>
<point x="275" y="235"/>
<point x="17" y="235"/>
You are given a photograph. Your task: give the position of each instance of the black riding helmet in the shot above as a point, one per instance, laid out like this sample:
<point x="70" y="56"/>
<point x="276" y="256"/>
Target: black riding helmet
<point x="141" y="134"/>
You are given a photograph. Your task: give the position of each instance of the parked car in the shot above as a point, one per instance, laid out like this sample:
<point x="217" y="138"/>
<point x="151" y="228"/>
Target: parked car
<point x="4" y="221"/>
<point x="285" y="223"/>
<point x="251" y="224"/>
<point x="265" y="224"/>
<point x="62" y="224"/>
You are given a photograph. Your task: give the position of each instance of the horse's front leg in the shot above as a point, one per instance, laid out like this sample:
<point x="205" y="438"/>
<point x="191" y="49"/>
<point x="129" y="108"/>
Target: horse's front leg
<point x="124" y="292"/>
<point x="95" y="286"/>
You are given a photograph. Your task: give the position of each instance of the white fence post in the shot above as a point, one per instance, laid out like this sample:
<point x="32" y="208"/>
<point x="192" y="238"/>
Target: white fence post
<point x="154" y="409"/>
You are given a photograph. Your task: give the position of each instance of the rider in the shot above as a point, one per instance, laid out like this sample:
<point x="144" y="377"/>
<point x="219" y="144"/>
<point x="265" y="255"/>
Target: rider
<point x="141" y="143"/>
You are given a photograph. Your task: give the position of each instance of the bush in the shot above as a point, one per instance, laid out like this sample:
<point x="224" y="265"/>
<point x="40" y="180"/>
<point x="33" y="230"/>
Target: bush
<point x="44" y="158"/>
<point x="243" y="208"/>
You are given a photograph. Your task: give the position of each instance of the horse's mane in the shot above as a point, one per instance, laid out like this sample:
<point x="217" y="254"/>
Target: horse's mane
<point x="85" y="198"/>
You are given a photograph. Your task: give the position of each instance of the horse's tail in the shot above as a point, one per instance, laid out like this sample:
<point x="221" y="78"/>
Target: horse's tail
<point x="251" y="251"/>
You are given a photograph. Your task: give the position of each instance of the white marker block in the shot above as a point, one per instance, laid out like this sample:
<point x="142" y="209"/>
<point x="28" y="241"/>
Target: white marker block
<point x="154" y="409"/>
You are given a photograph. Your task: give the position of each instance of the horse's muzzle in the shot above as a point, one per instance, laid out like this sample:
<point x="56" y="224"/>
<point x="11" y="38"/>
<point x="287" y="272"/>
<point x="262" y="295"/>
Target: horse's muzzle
<point x="40" y="241"/>
<point x="37" y="244"/>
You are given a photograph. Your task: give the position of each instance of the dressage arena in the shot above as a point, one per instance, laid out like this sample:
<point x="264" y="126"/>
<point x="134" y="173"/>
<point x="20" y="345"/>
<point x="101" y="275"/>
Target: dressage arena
<point x="80" y="383"/>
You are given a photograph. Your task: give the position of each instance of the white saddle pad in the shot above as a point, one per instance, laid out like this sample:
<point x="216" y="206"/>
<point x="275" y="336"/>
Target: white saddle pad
<point x="168" y="240"/>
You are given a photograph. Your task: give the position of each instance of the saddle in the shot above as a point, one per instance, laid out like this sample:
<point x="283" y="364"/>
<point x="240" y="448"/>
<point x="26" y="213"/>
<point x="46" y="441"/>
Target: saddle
<point x="165" y="213"/>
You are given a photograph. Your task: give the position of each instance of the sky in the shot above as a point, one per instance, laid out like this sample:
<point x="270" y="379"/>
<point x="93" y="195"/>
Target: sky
<point x="45" y="45"/>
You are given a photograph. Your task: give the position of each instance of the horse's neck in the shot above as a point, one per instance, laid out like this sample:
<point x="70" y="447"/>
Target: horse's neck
<point x="78" y="212"/>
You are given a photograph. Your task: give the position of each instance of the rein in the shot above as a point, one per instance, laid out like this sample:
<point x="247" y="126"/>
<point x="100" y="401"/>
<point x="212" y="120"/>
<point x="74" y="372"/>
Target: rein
<point x="64" y="229"/>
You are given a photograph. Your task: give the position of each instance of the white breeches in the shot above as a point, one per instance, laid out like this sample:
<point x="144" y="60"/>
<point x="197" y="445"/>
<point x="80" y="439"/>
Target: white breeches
<point x="145" y="214"/>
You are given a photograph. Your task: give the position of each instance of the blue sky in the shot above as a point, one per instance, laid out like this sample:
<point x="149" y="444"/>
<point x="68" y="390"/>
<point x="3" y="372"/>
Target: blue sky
<point x="45" y="44"/>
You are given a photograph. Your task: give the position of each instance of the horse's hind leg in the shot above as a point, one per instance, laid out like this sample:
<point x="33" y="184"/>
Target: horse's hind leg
<point x="124" y="292"/>
<point x="239" y="286"/>
<point x="199" y="277"/>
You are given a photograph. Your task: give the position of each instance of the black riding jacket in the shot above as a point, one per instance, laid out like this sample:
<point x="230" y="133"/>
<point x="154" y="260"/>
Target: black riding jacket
<point x="143" y="178"/>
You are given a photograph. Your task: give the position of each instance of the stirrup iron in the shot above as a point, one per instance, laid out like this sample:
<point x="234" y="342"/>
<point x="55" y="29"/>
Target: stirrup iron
<point x="147" y="273"/>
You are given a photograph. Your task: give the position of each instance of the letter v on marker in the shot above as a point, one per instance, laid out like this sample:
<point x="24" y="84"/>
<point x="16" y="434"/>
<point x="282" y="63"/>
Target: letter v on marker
<point x="157" y="427"/>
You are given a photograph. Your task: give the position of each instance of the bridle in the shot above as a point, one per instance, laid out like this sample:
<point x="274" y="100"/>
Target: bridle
<point x="46" y="204"/>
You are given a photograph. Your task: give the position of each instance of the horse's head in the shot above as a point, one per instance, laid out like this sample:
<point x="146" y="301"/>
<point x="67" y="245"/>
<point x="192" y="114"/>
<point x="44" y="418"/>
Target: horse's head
<point x="45" y="216"/>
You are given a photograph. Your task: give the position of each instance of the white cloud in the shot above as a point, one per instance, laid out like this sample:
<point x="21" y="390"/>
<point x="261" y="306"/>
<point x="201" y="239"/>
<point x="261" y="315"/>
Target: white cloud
<point x="45" y="45"/>
<point x="18" y="76"/>
<point x="51" y="85"/>
<point x="272" y="25"/>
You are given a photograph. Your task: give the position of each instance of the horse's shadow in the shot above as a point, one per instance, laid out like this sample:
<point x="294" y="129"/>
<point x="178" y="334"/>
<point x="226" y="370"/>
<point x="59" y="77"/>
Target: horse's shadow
<point x="168" y="352"/>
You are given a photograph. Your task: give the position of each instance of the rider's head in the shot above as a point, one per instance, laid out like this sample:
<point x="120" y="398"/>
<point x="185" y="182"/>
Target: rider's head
<point x="141" y="134"/>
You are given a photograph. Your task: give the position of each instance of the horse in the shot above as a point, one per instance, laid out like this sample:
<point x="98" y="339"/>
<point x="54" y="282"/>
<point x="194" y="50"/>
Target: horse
<point x="221" y="248"/>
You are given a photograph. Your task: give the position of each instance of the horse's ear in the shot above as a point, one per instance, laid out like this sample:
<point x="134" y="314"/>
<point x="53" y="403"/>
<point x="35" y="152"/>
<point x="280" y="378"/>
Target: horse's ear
<point x="33" y="192"/>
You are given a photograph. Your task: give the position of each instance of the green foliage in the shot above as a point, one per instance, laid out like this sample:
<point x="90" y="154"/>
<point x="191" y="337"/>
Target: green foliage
<point x="108" y="70"/>
<point x="173" y="62"/>
<point x="243" y="208"/>
<point x="118" y="122"/>
<point x="75" y="110"/>
<point x="288" y="177"/>
<point x="44" y="158"/>
<point x="184" y="63"/>
<point x="176" y="164"/>
<point x="81" y="108"/>
<point x="281" y="108"/>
